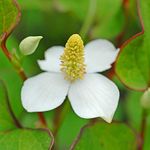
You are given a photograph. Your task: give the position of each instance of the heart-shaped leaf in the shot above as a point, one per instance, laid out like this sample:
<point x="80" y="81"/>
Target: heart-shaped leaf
<point x="9" y="17"/>
<point x="6" y="120"/>
<point x="133" y="63"/>
<point x="9" y="76"/>
<point x="26" y="139"/>
<point x="103" y="136"/>
<point x="9" y="11"/>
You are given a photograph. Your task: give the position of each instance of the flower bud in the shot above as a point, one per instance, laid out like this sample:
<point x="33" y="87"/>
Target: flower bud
<point x="29" y="44"/>
<point x="145" y="99"/>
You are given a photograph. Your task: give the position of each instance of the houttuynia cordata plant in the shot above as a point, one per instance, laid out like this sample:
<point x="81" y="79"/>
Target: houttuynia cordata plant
<point x="74" y="75"/>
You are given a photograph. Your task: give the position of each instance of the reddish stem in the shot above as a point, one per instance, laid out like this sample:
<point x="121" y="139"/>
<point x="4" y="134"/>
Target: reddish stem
<point x="142" y="131"/>
<point x="111" y="72"/>
<point x="20" y="72"/>
<point x="119" y="38"/>
<point x="4" y="49"/>
<point x="16" y="121"/>
<point x="22" y="75"/>
<point x="125" y="3"/>
<point x="42" y="119"/>
<point x="59" y="116"/>
<point x="57" y="120"/>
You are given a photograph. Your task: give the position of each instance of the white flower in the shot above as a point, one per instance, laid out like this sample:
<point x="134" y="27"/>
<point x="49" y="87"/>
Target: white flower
<point x="73" y="71"/>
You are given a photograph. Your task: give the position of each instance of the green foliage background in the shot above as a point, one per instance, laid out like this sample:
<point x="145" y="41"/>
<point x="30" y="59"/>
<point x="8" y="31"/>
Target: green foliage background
<point x="56" y="20"/>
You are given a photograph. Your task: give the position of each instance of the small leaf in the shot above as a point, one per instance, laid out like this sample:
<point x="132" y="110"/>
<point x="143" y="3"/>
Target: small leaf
<point x="103" y="136"/>
<point x="133" y="64"/>
<point x="29" y="44"/>
<point x="26" y="139"/>
<point x="145" y="99"/>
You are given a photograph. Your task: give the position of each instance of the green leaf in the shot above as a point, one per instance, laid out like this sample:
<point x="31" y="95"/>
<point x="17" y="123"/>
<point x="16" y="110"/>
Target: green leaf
<point x="26" y="139"/>
<point x="131" y="20"/>
<point x="6" y="120"/>
<point x="147" y="134"/>
<point x="134" y="116"/>
<point x="133" y="64"/>
<point x="9" y="16"/>
<point x="71" y="124"/>
<point x="9" y="75"/>
<point x="103" y="136"/>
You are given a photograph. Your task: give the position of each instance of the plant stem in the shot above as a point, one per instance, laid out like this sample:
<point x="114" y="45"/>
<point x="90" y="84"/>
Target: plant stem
<point x="16" y="121"/>
<point x="89" y="18"/>
<point x="62" y="111"/>
<point x="142" y="130"/>
<point x="18" y="68"/>
<point x="42" y="119"/>
<point x="120" y="36"/>
<point x="15" y="62"/>
<point x="59" y="116"/>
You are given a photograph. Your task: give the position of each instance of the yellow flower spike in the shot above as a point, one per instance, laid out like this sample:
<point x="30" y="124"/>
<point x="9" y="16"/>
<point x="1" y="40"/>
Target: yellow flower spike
<point x="72" y="60"/>
<point x="51" y="88"/>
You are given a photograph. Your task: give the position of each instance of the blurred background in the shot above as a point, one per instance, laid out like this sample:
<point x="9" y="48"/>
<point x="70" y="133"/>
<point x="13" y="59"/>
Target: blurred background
<point x="56" y="20"/>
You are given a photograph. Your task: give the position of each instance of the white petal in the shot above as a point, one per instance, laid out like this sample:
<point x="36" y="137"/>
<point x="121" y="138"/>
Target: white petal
<point x="99" y="55"/>
<point x="94" y="96"/>
<point x="52" y="59"/>
<point x="44" y="92"/>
